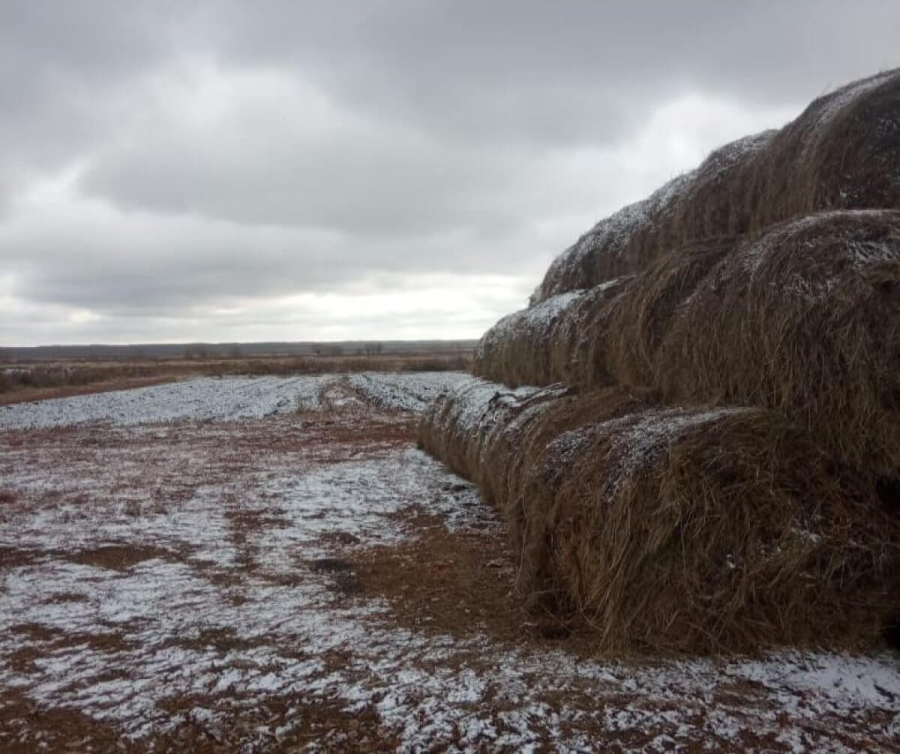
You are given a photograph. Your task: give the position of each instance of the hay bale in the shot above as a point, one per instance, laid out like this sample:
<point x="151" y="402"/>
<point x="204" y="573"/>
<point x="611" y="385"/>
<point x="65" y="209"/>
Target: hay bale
<point x="485" y="431"/>
<point x="679" y="529"/>
<point x="456" y="425"/>
<point x="707" y="531"/>
<point x="517" y="349"/>
<point x="842" y="152"/>
<point x="604" y="336"/>
<point x="711" y="529"/>
<point x="545" y="343"/>
<point x="804" y="320"/>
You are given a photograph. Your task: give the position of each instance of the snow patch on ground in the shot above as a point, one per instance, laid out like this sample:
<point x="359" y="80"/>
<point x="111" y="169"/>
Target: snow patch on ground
<point x="225" y="399"/>
<point x="404" y="391"/>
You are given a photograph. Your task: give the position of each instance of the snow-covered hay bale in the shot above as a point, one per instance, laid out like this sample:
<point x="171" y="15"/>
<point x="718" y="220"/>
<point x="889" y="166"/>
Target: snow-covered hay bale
<point x="842" y="152"/>
<point x="517" y="350"/>
<point x="488" y="432"/>
<point x="456" y="425"/>
<point x="705" y="531"/>
<point x="545" y="343"/>
<point x="607" y="335"/>
<point x="674" y="530"/>
<point x="804" y="320"/>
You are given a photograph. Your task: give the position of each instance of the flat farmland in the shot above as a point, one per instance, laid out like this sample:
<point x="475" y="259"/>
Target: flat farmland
<point x="271" y="564"/>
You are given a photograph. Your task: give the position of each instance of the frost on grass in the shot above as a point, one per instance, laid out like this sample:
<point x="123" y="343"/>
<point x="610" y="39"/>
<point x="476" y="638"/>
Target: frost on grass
<point x="204" y="398"/>
<point x="191" y="571"/>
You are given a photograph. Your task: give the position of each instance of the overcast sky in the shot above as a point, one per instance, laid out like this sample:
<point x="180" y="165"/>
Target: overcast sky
<point x="282" y="170"/>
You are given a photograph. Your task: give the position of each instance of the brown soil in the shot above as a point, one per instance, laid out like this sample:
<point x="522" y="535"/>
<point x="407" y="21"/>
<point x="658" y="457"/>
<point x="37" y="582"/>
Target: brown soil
<point x="26" y="728"/>
<point x="457" y="583"/>
<point x="118" y="557"/>
<point x="28" y="394"/>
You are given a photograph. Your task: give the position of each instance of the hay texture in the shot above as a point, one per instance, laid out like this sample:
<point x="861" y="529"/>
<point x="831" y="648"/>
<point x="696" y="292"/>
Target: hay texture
<point x="763" y="292"/>
<point x="804" y="319"/>
<point x="603" y="336"/>
<point x="486" y="432"/>
<point x="842" y="152"/>
<point x="686" y="530"/>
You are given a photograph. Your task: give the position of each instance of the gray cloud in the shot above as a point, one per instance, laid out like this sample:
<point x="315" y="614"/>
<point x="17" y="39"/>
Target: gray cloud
<point x="527" y="69"/>
<point x="234" y="155"/>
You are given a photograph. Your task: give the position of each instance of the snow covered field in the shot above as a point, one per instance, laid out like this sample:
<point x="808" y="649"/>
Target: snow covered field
<point x="230" y="398"/>
<point x="191" y="566"/>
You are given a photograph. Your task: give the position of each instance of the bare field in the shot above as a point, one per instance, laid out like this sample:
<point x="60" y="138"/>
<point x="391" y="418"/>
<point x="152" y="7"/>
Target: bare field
<point x="270" y="564"/>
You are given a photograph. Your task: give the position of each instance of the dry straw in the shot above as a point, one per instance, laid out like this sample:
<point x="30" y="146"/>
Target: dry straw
<point x="842" y="152"/>
<point x="684" y="530"/>
<point x="770" y="279"/>
<point x="804" y="319"/>
<point x="606" y="335"/>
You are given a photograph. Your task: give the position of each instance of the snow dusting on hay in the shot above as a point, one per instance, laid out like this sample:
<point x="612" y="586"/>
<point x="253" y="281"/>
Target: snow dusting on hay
<point x="806" y="321"/>
<point x="601" y="336"/>
<point x="693" y="530"/>
<point x="842" y="152"/>
<point x="713" y="462"/>
<point x="802" y="319"/>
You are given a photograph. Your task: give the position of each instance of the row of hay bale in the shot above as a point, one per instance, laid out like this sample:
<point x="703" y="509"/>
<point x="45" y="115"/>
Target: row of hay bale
<point x="842" y="152"/>
<point x="673" y="529"/>
<point x="693" y="431"/>
<point x="803" y="319"/>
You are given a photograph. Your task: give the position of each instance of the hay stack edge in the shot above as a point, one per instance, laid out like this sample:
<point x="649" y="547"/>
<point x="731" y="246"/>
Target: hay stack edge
<point x="693" y="431"/>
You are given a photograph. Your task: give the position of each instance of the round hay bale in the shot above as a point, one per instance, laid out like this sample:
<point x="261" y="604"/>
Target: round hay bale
<point x="519" y="350"/>
<point x="491" y="434"/>
<point x="604" y="336"/>
<point x="804" y="320"/>
<point x="546" y="343"/>
<point x="636" y="323"/>
<point x="689" y="530"/>
<point x="842" y="152"/>
<point x="460" y="426"/>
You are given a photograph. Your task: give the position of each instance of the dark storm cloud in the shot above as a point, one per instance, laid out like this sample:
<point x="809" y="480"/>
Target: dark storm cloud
<point x="160" y="155"/>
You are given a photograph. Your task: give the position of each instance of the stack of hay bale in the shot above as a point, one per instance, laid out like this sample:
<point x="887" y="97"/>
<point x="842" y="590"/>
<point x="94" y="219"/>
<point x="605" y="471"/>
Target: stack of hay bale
<point x="693" y="431"/>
